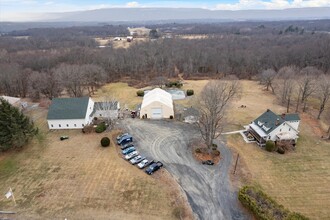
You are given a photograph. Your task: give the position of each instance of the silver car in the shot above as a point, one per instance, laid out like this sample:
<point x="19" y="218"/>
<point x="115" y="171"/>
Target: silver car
<point x="137" y="159"/>
<point x="131" y="155"/>
<point x="144" y="163"/>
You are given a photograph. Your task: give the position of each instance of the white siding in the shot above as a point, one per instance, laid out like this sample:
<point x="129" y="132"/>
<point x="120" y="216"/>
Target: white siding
<point x="283" y="128"/>
<point x="294" y="124"/>
<point x="67" y="124"/>
<point x="113" y="114"/>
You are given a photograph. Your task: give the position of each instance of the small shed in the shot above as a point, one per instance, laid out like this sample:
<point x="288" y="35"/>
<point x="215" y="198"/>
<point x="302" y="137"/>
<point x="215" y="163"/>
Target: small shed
<point x="107" y="109"/>
<point x="157" y="104"/>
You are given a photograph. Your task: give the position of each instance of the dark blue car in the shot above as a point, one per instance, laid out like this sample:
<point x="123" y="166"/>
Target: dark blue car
<point x="125" y="139"/>
<point x="128" y="150"/>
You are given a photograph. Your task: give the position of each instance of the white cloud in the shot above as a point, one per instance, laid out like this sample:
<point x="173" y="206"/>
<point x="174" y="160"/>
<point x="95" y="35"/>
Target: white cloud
<point x="132" y="4"/>
<point x="273" y="4"/>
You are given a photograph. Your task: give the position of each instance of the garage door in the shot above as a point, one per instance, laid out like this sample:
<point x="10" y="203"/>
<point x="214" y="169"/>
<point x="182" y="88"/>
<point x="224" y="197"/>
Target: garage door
<point x="156" y="113"/>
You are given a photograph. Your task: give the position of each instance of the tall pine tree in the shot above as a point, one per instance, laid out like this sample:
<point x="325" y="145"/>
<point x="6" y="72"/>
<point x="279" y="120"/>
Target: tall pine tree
<point x="16" y="129"/>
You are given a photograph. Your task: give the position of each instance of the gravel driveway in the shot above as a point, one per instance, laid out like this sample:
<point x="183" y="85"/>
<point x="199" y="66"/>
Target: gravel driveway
<point x="207" y="187"/>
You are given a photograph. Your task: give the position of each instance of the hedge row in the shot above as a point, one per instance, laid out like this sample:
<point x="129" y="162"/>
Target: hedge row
<point x="264" y="207"/>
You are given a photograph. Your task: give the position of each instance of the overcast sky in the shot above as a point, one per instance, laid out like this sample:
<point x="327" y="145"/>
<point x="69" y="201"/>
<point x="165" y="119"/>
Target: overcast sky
<point x="18" y="10"/>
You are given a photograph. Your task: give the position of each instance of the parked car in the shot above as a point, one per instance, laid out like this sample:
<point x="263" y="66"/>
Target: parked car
<point x="144" y="163"/>
<point x="154" y="167"/>
<point x="208" y="162"/>
<point x="128" y="150"/>
<point x="124" y="146"/>
<point x="121" y="135"/>
<point x="125" y="139"/>
<point x="137" y="159"/>
<point x="64" y="138"/>
<point x="131" y="155"/>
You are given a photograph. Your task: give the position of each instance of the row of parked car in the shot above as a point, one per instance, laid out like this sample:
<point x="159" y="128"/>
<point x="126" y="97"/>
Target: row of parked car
<point x="130" y="153"/>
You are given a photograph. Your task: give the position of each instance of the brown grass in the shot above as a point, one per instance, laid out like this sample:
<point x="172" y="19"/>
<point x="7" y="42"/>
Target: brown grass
<point x="298" y="180"/>
<point x="78" y="179"/>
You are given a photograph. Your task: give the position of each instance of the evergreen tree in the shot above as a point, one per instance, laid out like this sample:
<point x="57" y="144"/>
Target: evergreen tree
<point x="16" y="129"/>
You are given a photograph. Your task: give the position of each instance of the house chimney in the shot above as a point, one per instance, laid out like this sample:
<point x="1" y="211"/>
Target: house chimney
<point x="277" y="122"/>
<point x="268" y="110"/>
<point x="283" y="116"/>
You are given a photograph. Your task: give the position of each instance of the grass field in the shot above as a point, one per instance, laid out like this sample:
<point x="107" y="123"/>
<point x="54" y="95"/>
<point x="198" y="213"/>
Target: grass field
<point x="298" y="180"/>
<point x="78" y="179"/>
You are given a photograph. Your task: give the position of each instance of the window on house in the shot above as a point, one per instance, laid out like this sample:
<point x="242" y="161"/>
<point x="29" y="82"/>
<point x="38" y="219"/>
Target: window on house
<point x="59" y="125"/>
<point x="100" y="115"/>
<point x="67" y="125"/>
<point x="51" y="125"/>
<point x="289" y="129"/>
<point x="83" y="125"/>
<point x="280" y="130"/>
<point x="75" y="125"/>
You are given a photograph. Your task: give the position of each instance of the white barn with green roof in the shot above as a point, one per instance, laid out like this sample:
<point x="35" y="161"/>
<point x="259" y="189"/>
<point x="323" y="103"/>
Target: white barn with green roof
<point x="270" y="126"/>
<point x="70" y="113"/>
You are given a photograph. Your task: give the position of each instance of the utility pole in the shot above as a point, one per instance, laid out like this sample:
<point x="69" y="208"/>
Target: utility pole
<point x="236" y="163"/>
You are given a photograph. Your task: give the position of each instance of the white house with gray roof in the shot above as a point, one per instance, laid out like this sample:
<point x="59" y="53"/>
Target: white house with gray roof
<point x="70" y="113"/>
<point x="270" y="126"/>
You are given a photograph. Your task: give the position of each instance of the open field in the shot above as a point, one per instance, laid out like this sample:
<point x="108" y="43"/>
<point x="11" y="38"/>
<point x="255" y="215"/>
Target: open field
<point x="105" y="41"/>
<point x="78" y="179"/>
<point x="298" y="180"/>
<point x="128" y="98"/>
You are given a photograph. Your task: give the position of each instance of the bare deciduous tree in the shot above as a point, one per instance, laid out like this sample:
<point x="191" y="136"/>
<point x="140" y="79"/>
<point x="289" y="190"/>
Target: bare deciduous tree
<point x="212" y="105"/>
<point x="72" y="79"/>
<point x="306" y="85"/>
<point x="267" y="78"/>
<point x="286" y="85"/>
<point x="323" y="93"/>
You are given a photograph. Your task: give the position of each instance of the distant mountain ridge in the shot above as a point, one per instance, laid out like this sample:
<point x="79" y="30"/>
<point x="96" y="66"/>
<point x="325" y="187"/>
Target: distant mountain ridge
<point x="159" y="14"/>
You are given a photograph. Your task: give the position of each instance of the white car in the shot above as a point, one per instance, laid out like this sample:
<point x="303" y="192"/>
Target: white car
<point x="143" y="163"/>
<point x="131" y="155"/>
<point x="137" y="159"/>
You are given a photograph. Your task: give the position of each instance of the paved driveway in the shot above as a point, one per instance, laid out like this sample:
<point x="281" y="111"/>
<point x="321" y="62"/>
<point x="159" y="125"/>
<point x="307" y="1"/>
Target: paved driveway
<point x="207" y="187"/>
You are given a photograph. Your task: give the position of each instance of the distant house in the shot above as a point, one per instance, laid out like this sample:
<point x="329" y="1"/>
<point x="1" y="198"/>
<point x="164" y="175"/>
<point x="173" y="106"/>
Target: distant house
<point x="12" y="100"/>
<point x="270" y="126"/>
<point x="129" y="38"/>
<point x="157" y="104"/>
<point x="106" y="109"/>
<point x="70" y="113"/>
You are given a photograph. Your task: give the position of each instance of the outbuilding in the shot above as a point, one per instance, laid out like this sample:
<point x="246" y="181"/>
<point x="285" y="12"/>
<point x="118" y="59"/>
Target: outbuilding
<point x="157" y="104"/>
<point x="70" y="113"/>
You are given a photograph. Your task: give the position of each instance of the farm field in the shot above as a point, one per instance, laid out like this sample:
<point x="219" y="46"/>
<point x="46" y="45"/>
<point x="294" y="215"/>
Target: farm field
<point x="78" y="179"/>
<point x="298" y="180"/>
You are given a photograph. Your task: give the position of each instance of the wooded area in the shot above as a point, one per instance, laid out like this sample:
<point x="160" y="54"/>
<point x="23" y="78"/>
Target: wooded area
<point x="287" y="57"/>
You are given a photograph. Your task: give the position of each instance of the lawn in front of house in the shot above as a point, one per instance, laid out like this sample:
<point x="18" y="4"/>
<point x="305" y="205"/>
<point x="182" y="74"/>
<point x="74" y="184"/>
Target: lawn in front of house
<point x="298" y="180"/>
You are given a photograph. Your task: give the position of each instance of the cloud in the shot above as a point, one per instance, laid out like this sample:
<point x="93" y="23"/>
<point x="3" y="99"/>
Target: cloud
<point x="273" y="4"/>
<point x="132" y="4"/>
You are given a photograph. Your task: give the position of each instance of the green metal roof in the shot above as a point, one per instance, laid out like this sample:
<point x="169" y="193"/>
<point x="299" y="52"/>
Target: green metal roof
<point x="269" y="121"/>
<point x="68" y="108"/>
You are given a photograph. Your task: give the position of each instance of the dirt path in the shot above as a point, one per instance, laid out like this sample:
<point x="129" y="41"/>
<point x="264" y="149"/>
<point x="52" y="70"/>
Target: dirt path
<point x="207" y="187"/>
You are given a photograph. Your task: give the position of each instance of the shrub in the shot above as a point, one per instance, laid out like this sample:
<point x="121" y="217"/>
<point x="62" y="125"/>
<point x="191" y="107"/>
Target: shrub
<point x="270" y="146"/>
<point x="100" y="127"/>
<point x="140" y="93"/>
<point x="216" y="153"/>
<point x="105" y="141"/>
<point x="263" y="206"/>
<point x="198" y="150"/>
<point x="280" y="150"/>
<point x="190" y="92"/>
<point x="177" y="84"/>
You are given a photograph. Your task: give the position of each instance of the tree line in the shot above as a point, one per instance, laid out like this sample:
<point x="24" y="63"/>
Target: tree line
<point x="45" y="68"/>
